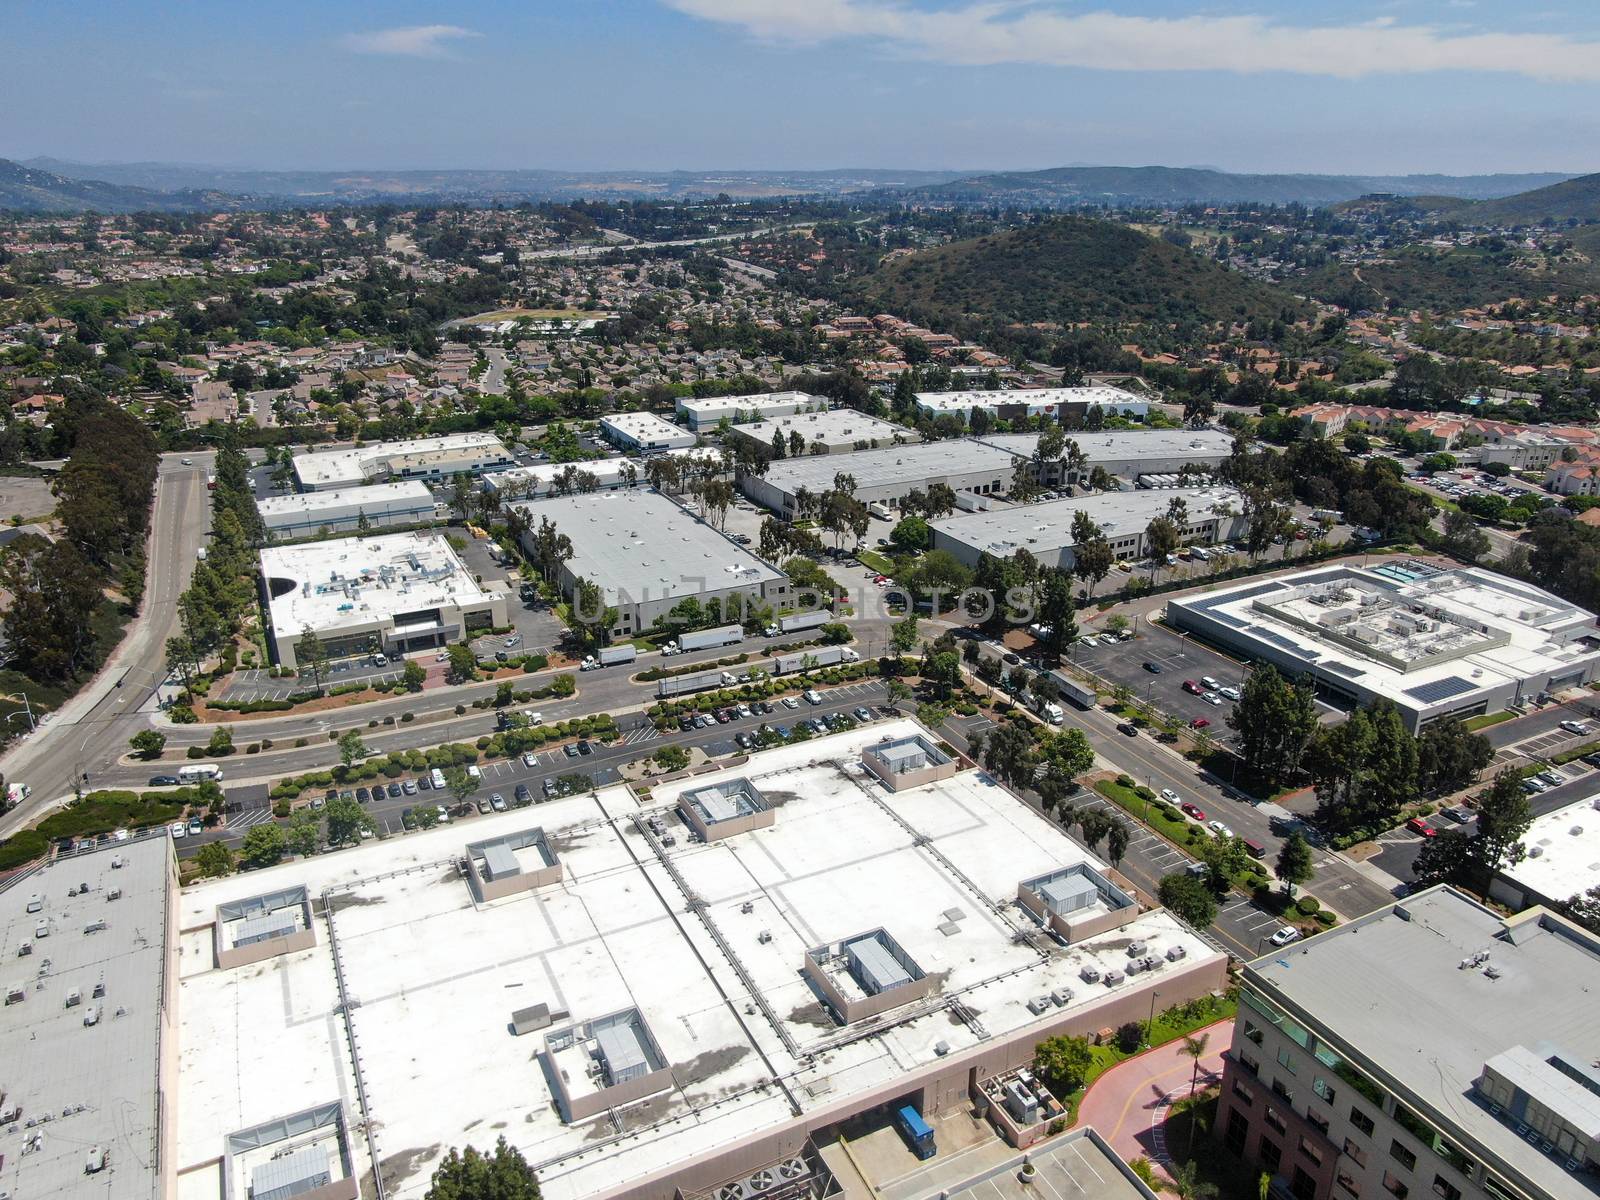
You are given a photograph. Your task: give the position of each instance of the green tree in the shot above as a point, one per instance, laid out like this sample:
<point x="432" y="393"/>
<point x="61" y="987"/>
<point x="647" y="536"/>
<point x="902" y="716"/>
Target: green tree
<point x="351" y="747"/>
<point x="1063" y="1062"/>
<point x="214" y="859"/>
<point x="413" y="676"/>
<point x="460" y="783"/>
<point x="1294" y="864"/>
<point x="1189" y="898"/>
<point x="1504" y="816"/>
<point x="264" y="845"/>
<point x="1187" y="1183"/>
<point x="312" y="656"/>
<point x="672" y="758"/>
<point x="346" y="821"/>
<point x="1058" y="614"/>
<point x="1117" y="839"/>
<point x="462" y="663"/>
<point x="912" y="535"/>
<point x="903" y="634"/>
<point x="1450" y="756"/>
<point x="469" y="1175"/>
<point x="1275" y="720"/>
<point x="1161" y="538"/>
<point x="943" y="671"/>
<point x="1364" y="769"/>
<point x="221" y="742"/>
<point x="303" y="834"/>
<point x="148" y="744"/>
<point x="1462" y="538"/>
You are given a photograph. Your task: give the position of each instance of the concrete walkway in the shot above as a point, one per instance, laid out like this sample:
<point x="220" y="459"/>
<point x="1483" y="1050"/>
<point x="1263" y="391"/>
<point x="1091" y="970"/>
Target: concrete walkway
<point x="1128" y="1104"/>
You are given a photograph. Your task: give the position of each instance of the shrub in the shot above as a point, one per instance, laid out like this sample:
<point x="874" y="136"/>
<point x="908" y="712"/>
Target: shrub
<point x="406" y="716"/>
<point x="1324" y="918"/>
<point x="1308" y="905"/>
<point x="1125" y="781"/>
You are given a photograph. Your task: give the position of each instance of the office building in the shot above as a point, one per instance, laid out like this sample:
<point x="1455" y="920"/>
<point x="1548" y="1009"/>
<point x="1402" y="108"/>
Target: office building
<point x="1561" y="859"/>
<point x="1431" y="641"/>
<point x="1064" y="403"/>
<point x="833" y="431"/>
<point x="555" y="479"/>
<point x="345" y="510"/>
<point x="428" y="459"/>
<point x="884" y="476"/>
<point x="1045" y="530"/>
<point x="396" y="593"/>
<point x="702" y="414"/>
<point x="646" y="554"/>
<point x="644" y="433"/>
<point x="643" y="1023"/>
<point x="1433" y="1048"/>
<point x="1135" y="455"/>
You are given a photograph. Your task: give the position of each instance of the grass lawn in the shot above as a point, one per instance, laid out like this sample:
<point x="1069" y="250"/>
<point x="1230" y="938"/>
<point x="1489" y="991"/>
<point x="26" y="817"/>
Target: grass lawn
<point x="875" y="561"/>
<point x="1484" y="720"/>
<point x="1576" y="752"/>
<point x="532" y="314"/>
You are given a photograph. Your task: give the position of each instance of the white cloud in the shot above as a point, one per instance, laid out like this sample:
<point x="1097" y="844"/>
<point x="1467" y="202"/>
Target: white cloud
<point x="988" y="33"/>
<point x="411" y="41"/>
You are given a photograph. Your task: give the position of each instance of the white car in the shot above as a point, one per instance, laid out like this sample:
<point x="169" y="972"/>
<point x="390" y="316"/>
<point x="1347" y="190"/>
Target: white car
<point x="1212" y="698"/>
<point x="1209" y="683"/>
<point x="529" y="759"/>
<point x="1284" y="936"/>
<point x="1088" y="641"/>
<point x="1170" y="796"/>
<point x="1218" y="828"/>
<point x="1232" y="693"/>
<point x="1575" y="727"/>
<point x="812" y="697"/>
<point x="179" y="830"/>
<point x="790" y="702"/>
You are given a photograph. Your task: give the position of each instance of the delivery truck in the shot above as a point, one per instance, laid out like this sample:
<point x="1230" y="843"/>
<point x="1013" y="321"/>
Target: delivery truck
<point x="821" y="656"/>
<point x="705" y="639"/>
<point x="1073" y="691"/>
<point x="796" y="622"/>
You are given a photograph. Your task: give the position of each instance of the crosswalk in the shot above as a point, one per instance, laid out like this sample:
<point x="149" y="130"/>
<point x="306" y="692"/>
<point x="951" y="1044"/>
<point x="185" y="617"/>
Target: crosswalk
<point x="644" y="733"/>
<point x="240" y="821"/>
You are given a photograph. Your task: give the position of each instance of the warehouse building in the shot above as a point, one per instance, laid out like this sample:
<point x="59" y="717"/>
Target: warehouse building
<point x="646" y="554"/>
<point x="1064" y="403"/>
<point x="1561" y="859"/>
<point x="546" y="479"/>
<point x="1045" y="530"/>
<point x="1467" y="1073"/>
<point x="835" y="431"/>
<point x="396" y="593"/>
<point x="1130" y="454"/>
<point x="647" y="1027"/>
<point x="88" y="1027"/>
<point x="427" y="459"/>
<point x="342" y="510"/>
<point x="644" y="433"/>
<point x="884" y="476"/>
<point x="1433" y="642"/>
<point x="701" y="414"/>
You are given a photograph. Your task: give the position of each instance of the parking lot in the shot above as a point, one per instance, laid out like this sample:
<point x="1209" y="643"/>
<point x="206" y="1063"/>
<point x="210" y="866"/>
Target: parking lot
<point x="1179" y="658"/>
<point x="249" y="685"/>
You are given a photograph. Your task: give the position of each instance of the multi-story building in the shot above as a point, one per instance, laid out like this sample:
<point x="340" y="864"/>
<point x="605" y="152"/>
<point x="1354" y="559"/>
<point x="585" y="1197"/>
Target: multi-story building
<point x="426" y="459"/>
<point x="395" y="593"/>
<point x="644" y="433"/>
<point x="1433" y="1048"/>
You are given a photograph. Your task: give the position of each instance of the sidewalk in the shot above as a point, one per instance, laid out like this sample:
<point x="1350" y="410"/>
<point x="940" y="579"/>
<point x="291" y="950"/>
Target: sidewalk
<point x="1128" y="1104"/>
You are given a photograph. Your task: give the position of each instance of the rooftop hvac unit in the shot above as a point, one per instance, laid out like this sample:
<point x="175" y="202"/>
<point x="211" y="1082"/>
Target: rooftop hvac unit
<point x="1113" y="978"/>
<point x="1575" y="830"/>
<point x="1174" y="953"/>
<point x="1090" y="973"/>
<point x="1535" y="851"/>
<point x="1062" y="996"/>
<point x="1135" y="949"/>
<point x="1039" y="1004"/>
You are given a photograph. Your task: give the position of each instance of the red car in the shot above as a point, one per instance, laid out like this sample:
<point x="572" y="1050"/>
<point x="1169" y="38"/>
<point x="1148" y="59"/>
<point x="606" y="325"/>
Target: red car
<point x="1193" y="688"/>
<point x="1419" y="825"/>
<point x="1194" y="810"/>
<point x="1199" y="723"/>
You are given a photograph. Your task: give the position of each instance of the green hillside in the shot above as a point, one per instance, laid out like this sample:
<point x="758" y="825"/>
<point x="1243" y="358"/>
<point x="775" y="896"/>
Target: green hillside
<point x="28" y="189"/>
<point x="1571" y="200"/>
<point x="1068" y="270"/>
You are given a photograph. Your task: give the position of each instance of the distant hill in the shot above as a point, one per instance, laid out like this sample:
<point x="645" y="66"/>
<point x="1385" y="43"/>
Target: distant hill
<point x="1067" y="270"/>
<point x="29" y="189"/>
<point x="1069" y="187"/>
<point x="1570" y="200"/>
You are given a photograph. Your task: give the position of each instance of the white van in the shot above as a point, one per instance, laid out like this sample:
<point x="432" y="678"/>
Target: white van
<point x="535" y="719"/>
<point x="436" y="777"/>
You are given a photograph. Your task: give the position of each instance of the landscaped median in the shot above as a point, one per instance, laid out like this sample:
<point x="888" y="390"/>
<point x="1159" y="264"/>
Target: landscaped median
<point x="665" y="713"/>
<point x="103" y="812"/>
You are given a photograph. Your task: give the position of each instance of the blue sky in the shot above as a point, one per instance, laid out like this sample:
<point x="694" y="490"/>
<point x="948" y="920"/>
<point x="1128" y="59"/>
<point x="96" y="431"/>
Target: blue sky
<point x="1261" y="85"/>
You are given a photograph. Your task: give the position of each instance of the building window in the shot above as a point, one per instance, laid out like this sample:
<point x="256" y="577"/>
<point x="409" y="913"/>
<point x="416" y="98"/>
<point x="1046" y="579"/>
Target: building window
<point x="1243" y="1093"/>
<point x="1270" y="1154"/>
<point x="1444" y="1188"/>
<point x="1310" y="1150"/>
<point x="1398" y="1151"/>
<point x="1274" y="1121"/>
<point x="1357" y="1153"/>
<point x="1322" y="1088"/>
<point x="1238" y="1132"/>
<point x="1395" y="1186"/>
<point x="1286" y="1060"/>
<point x="1278" y="1088"/>
<point x="1303" y="1186"/>
<point x="1252" y="1032"/>
<point x="1347" y="1181"/>
<point x="1253" y="1065"/>
<point x="1320" y="1121"/>
<point x="1360" y="1120"/>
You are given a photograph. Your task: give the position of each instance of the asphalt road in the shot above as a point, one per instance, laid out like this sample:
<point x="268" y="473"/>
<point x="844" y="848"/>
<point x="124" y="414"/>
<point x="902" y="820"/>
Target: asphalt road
<point x="91" y="733"/>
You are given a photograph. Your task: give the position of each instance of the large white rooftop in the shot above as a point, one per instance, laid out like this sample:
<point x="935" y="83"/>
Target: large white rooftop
<point x="894" y="467"/>
<point x="352" y="465"/>
<point x="374" y="499"/>
<point x="1036" y="399"/>
<point x="1563" y="852"/>
<point x="750" y="1046"/>
<point x="326" y="585"/>
<point x="647" y="430"/>
<point x="638" y="545"/>
<point x="1204" y="447"/>
<point x="831" y="427"/>
<point x="712" y="408"/>
<point x="1046" y="529"/>
<point x="538" y="479"/>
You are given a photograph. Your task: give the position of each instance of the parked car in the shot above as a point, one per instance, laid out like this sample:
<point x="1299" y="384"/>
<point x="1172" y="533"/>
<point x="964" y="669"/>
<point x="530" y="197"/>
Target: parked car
<point x="196" y="828"/>
<point x="570" y="749"/>
<point x="529" y="759"/>
<point x="425" y="782"/>
<point x="863" y="714"/>
<point x="1284" y="936"/>
<point x="1153" y="667"/>
<point x="408" y="786"/>
<point x="179" y="830"/>
<point x="1220" y="829"/>
<point x="812" y="697"/>
<point x="790" y="702"/>
<point x="1193" y="688"/>
<point x="1419" y="825"/>
<point x="1199" y="723"/>
<point x="550" y="786"/>
<point x="744" y="740"/>
<point x="514" y="640"/>
<point x="498" y="802"/>
<point x="1193" y="810"/>
<point x="685" y="723"/>
<point x="584" y="747"/>
<point x="1210" y="684"/>
<point x="363" y="795"/>
<point x="408" y="818"/>
<point x="1459" y="813"/>
<point x="523" y="795"/>
<point x="1231" y="693"/>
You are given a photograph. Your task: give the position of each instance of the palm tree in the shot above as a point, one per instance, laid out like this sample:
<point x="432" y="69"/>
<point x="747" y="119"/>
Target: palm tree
<point x="1188" y="1185"/>
<point x="1194" y="1045"/>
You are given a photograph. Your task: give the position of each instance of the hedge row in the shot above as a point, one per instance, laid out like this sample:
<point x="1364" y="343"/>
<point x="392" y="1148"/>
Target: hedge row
<point x="765" y="688"/>
<point x="97" y="812"/>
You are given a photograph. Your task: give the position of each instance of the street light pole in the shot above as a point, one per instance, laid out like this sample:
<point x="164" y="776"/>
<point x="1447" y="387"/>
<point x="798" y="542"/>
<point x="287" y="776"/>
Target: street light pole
<point x="27" y="708"/>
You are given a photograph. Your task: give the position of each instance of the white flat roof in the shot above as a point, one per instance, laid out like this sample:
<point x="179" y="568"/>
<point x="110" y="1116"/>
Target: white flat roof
<point x="360" y="579"/>
<point x="1047" y="528"/>
<point x="1034" y="398"/>
<point x="1192" y="445"/>
<point x="373" y="498"/>
<point x="648" y="427"/>
<point x="894" y="467"/>
<point x="538" y="478"/>
<point x="702" y="405"/>
<point x="1563" y="857"/>
<point x="1522" y="632"/>
<point x="352" y="464"/>
<point x="639" y="545"/>
<point x="832" y="427"/>
<point x="438" y="976"/>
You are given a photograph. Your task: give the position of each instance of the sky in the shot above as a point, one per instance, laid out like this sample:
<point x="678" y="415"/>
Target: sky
<point x="1398" y="86"/>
